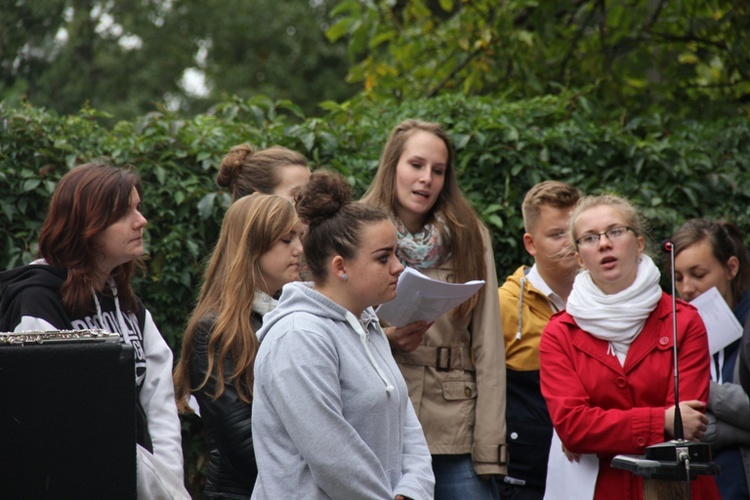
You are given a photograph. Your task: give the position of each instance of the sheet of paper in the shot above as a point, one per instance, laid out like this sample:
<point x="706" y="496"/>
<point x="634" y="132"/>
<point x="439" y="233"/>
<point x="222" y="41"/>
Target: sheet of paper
<point x="421" y="298"/>
<point x="721" y="324"/>
<point x="565" y="479"/>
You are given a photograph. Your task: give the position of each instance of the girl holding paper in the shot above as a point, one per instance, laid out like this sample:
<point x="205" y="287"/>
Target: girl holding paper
<point x="455" y="368"/>
<point x="711" y="254"/>
<point x="607" y="360"/>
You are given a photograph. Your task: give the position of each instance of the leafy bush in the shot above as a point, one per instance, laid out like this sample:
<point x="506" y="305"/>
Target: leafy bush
<point x="673" y="170"/>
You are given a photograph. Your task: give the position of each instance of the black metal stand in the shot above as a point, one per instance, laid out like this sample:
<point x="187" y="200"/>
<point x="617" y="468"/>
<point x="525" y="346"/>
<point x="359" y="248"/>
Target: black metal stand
<point x="668" y="479"/>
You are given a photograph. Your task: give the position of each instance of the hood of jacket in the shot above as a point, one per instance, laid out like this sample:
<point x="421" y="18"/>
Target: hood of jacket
<point x="525" y="312"/>
<point x="14" y="281"/>
<point x="302" y="297"/>
<point x="518" y="286"/>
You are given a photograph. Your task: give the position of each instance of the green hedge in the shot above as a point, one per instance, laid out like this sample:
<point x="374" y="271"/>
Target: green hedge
<point x="672" y="170"/>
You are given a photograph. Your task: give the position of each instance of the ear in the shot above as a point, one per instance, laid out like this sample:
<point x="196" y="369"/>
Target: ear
<point x="641" y="242"/>
<point x="338" y="267"/>
<point x="733" y="266"/>
<point x="528" y="242"/>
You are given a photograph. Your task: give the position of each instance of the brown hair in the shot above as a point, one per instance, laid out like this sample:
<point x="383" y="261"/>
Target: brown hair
<point x="245" y="170"/>
<point x="462" y="231"/>
<point x="726" y="242"/>
<point x="87" y="201"/>
<point x="547" y="193"/>
<point x="250" y="227"/>
<point x="336" y="223"/>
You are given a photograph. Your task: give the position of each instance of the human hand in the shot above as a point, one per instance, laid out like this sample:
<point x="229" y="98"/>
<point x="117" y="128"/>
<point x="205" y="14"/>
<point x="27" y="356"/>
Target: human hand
<point x="694" y="422"/>
<point x="572" y="457"/>
<point x="409" y="337"/>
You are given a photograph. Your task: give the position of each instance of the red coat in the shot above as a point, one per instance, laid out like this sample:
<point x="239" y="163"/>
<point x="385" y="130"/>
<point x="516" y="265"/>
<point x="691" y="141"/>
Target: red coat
<point x="598" y="406"/>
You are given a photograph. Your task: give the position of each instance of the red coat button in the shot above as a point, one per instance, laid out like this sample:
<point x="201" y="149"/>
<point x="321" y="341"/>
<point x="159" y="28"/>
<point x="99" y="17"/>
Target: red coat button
<point x="622" y="383"/>
<point x="664" y="340"/>
<point x="641" y="441"/>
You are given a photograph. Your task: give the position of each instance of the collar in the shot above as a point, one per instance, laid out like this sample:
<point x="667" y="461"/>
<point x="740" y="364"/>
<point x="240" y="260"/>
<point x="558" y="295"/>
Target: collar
<point x="555" y="301"/>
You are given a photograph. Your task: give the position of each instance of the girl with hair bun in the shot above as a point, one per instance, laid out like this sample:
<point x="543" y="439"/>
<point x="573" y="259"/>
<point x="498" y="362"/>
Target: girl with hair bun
<point x="276" y="170"/>
<point x="331" y="412"/>
<point x="711" y="254"/>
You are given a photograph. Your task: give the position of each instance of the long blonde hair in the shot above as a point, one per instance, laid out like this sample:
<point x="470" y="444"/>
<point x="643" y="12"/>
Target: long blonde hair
<point x="250" y="227"/>
<point x="462" y="231"/>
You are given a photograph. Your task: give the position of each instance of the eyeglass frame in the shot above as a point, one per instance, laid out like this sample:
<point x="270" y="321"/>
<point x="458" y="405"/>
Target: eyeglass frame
<point x="606" y="234"/>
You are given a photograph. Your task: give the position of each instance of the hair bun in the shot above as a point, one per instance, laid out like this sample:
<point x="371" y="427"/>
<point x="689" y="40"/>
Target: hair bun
<point x="231" y="165"/>
<point x="325" y="194"/>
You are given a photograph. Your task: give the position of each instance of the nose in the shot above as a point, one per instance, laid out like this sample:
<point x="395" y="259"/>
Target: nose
<point x="140" y="221"/>
<point x="297" y="247"/>
<point x="398" y="267"/>
<point x="604" y="241"/>
<point x="426" y="175"/>
<point x="685" y="289"/>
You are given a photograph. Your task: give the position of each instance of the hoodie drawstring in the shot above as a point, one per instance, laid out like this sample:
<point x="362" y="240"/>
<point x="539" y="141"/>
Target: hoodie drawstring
<point x="363" y="338"/>
<point x="520" y="310"/>
<point x="120" y="319"/>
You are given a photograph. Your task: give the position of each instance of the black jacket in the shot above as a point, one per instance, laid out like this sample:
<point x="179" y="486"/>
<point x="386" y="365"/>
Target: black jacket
<point x="231" y="468"/>
<point x="34" y="290"/>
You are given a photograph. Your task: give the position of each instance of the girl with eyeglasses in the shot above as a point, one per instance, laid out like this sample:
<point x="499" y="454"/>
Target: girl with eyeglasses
<point x="607" y="361"/>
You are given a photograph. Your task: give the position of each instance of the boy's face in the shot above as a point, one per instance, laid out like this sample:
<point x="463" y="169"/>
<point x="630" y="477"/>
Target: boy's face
<point x="549" y="243"/>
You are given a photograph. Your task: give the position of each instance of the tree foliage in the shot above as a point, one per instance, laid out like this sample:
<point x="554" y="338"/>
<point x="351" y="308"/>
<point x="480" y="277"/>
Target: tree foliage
<point x="689" y="57"/>
<point x="123" y="56"/>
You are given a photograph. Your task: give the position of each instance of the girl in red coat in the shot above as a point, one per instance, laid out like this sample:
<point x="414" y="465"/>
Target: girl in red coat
<point x="607" y="361"/>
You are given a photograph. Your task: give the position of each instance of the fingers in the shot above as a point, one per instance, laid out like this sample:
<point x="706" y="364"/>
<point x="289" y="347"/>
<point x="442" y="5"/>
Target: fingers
<point x="694" y="404"/>
<point x="695" y="423"/>
<point x="572" y="457"/>
<point x="408" y="337"/>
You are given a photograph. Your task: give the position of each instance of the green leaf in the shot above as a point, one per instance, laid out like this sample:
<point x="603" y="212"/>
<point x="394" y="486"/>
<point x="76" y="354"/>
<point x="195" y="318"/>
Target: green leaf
<point x="446" y="5"/>
<point x="30" y="185"/>
<point x="339" y="29"/>
<point x="206" y="205"/>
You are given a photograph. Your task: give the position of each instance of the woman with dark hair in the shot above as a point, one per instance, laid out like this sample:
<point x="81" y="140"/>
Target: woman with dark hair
<point x="91" y="243"/>
<point x="712" y="254"/>
<point x="258" y="251"/>
<point x="276" y="170"/>
<point x="331" y="412"/>
<point x="455" y="368"/>
<point x="607" y="360"/>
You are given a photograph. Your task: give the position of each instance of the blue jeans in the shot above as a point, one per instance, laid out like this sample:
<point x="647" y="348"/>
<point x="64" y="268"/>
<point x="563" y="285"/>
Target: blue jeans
<point x="455" y="479"/>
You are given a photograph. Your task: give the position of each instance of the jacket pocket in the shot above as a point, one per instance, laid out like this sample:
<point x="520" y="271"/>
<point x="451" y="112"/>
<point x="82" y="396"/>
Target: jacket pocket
<point x="456" y="390"/>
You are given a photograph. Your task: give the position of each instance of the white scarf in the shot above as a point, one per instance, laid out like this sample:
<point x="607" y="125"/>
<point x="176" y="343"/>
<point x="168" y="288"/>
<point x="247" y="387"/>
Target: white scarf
<point x="617" y="318"/>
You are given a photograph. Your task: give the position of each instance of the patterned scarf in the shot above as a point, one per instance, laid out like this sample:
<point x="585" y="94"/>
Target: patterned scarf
<point x="263" y="303"/>
<point x="423" y="249"/>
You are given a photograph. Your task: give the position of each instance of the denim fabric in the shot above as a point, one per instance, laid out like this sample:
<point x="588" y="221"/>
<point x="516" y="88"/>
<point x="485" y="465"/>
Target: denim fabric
<point x="455" y="479"/>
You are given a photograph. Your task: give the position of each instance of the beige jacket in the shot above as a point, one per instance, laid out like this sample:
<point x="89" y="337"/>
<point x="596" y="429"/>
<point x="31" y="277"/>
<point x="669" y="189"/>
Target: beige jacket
<point x="461" y="404"/>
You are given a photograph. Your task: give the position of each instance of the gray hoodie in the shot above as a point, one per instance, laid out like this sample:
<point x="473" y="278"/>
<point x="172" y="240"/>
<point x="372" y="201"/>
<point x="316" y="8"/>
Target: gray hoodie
<point x="331" y="411"/>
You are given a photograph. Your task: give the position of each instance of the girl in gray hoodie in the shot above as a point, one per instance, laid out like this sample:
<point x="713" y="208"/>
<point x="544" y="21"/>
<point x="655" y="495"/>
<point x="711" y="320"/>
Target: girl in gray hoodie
<point x="331" y="412"/>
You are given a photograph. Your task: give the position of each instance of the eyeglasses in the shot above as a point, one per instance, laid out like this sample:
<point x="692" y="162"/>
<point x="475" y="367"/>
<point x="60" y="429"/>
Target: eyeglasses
<point x="614" y="234"/>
